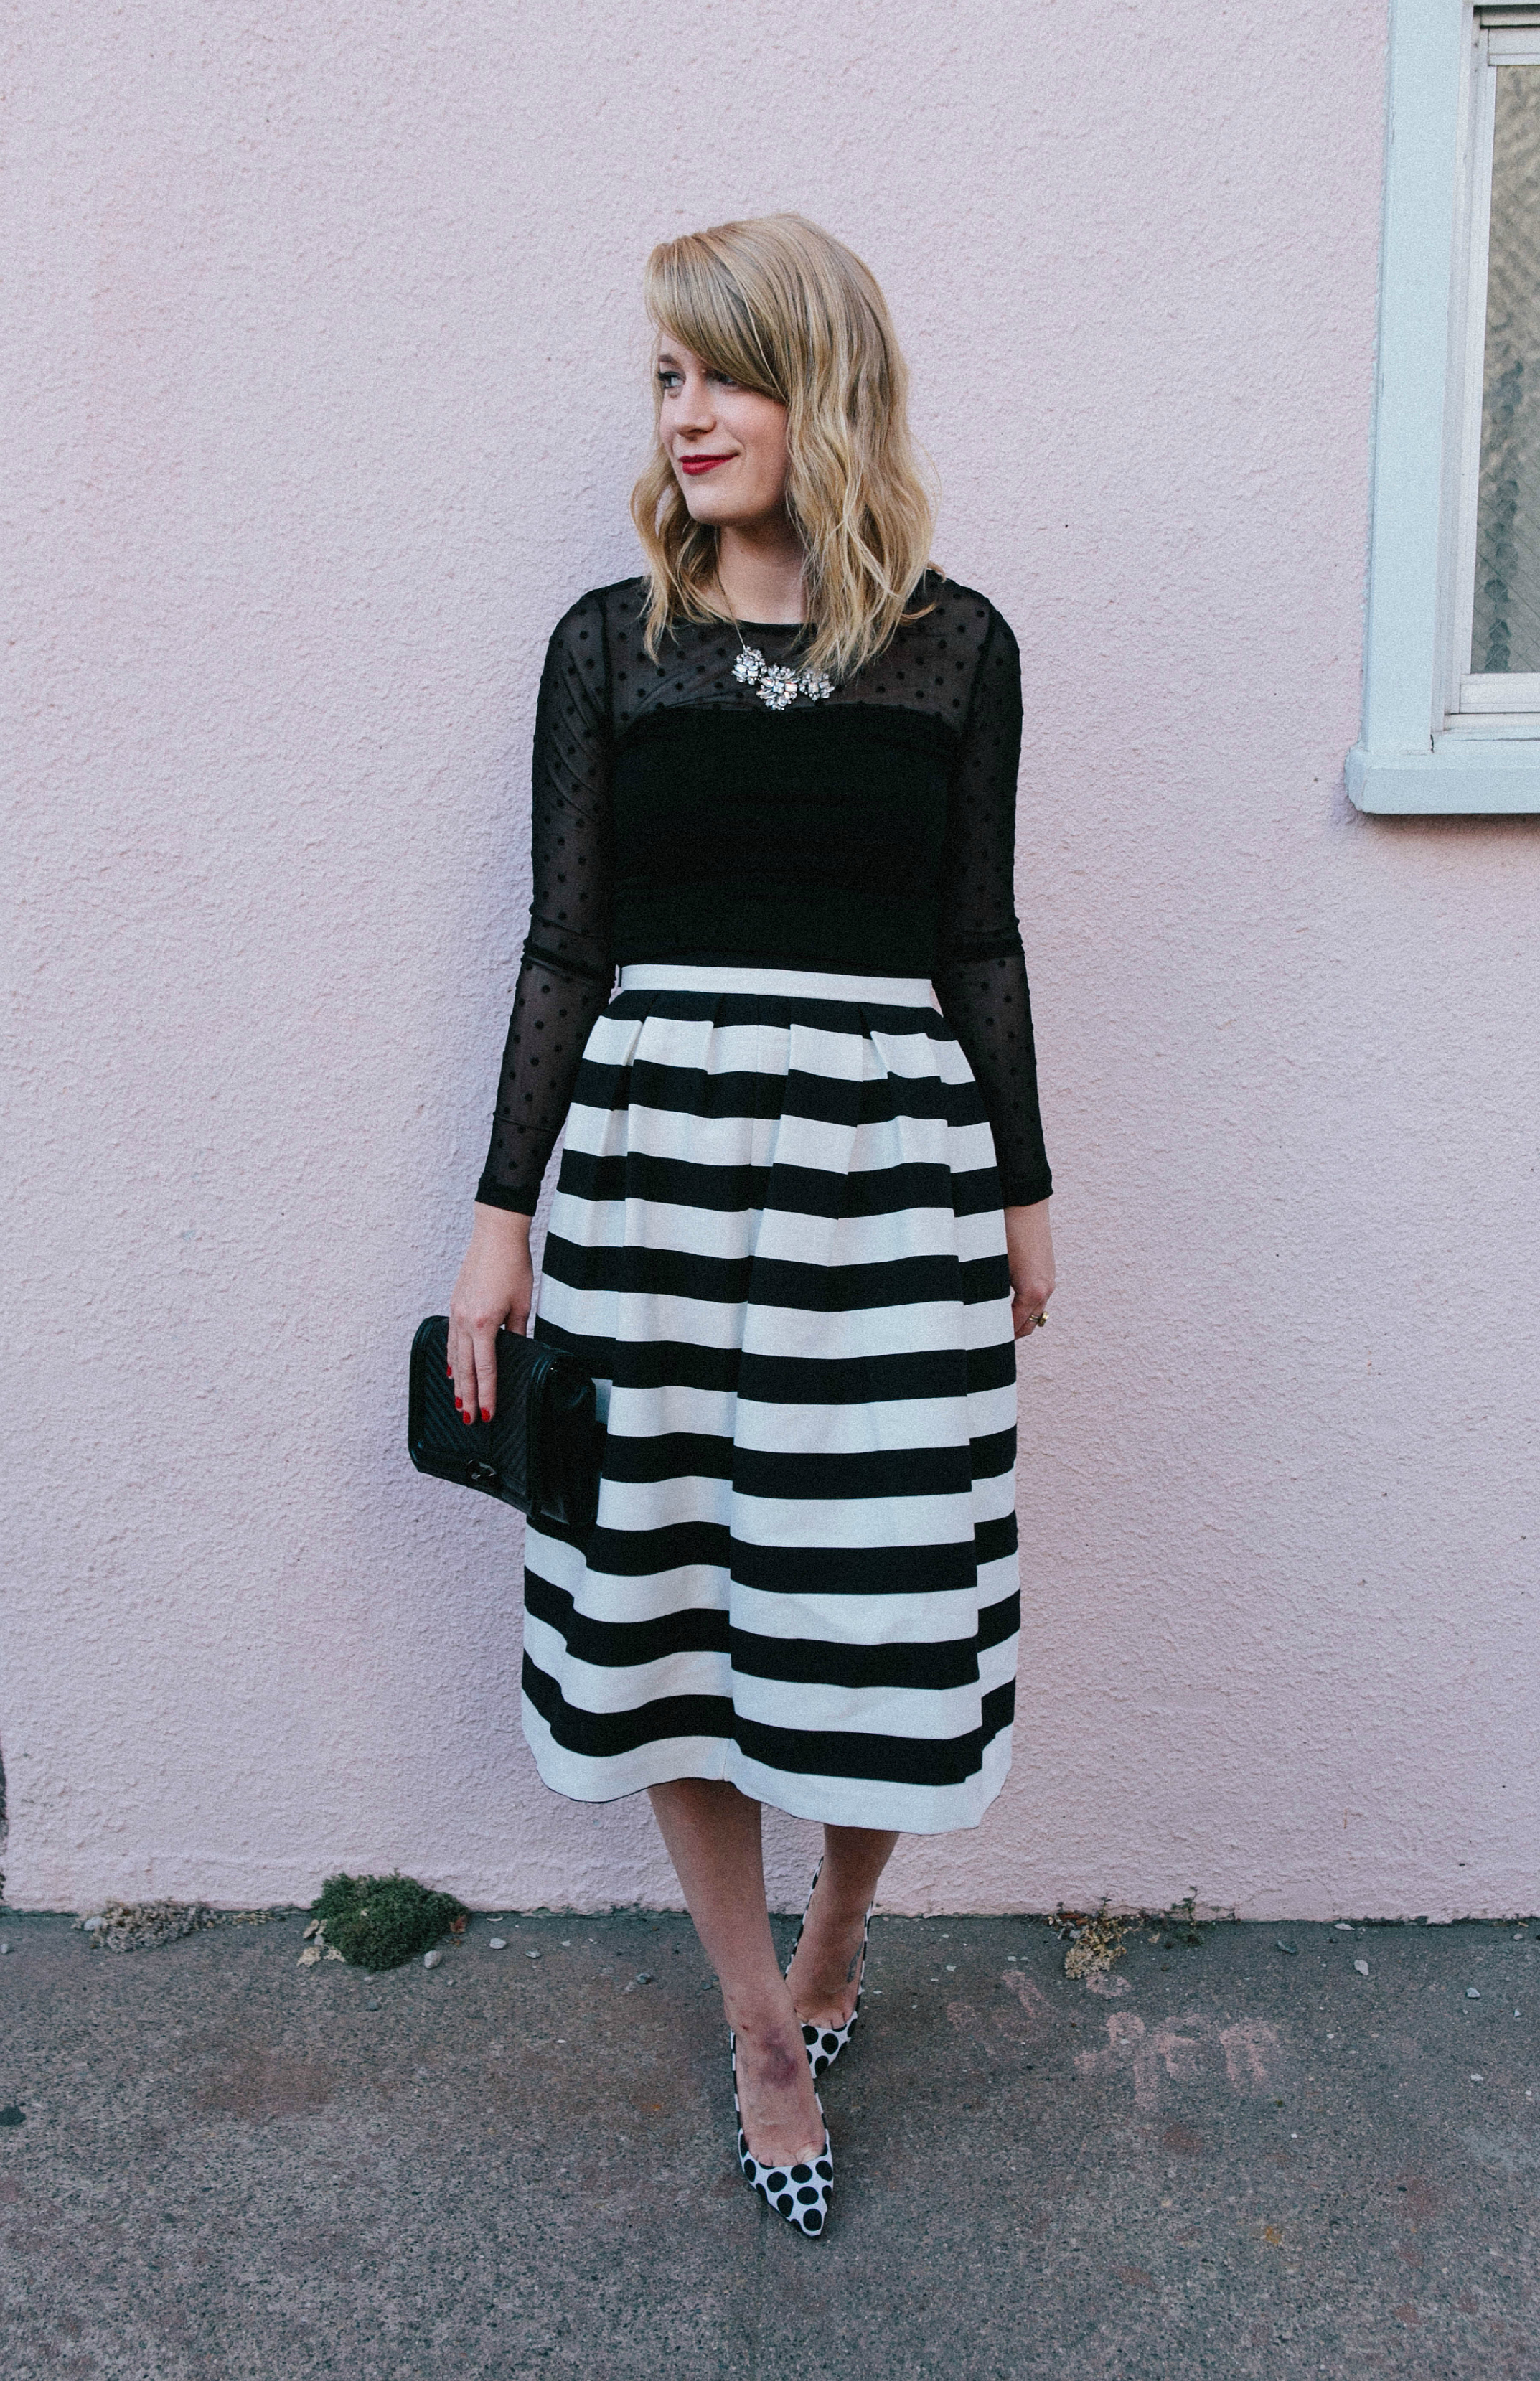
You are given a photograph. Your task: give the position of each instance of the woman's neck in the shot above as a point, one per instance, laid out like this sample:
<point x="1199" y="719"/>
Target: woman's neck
<point x="760" y="571"/>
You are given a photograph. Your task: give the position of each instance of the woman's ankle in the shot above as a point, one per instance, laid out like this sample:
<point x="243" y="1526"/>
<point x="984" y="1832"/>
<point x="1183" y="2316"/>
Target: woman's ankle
<point x="837" y="1912"/>
<point x="761" y="2016"/>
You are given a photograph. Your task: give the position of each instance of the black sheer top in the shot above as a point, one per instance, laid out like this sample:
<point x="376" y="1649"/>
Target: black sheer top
<point x="676" y="816"/>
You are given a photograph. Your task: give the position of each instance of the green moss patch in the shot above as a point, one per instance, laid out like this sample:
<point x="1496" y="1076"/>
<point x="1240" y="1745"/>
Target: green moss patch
<point x="382" y="1922"/>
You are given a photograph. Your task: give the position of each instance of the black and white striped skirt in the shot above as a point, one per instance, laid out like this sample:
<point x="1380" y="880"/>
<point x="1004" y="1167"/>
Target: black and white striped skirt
<point x="777" y="1244"/>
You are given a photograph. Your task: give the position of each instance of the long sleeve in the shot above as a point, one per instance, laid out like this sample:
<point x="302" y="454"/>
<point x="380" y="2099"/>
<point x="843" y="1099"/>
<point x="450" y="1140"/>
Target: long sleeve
<point x="981" y="975"/>
<point x="567" y="969"/>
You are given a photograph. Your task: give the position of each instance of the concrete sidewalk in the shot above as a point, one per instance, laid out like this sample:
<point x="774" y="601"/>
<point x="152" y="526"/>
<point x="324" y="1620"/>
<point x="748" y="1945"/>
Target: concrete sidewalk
<point x="1232" y="2159"/>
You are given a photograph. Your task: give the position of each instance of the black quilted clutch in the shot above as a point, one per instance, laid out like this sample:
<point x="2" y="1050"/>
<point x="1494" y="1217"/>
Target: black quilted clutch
<point x="542" y="1448"/>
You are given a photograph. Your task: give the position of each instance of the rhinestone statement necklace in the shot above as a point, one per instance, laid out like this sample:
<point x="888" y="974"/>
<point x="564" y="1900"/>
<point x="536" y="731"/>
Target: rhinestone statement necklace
<point x="777" y="686"/>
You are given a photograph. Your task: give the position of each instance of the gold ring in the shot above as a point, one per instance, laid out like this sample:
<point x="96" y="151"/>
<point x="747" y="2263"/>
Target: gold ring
<point x="1036" y="1320"/>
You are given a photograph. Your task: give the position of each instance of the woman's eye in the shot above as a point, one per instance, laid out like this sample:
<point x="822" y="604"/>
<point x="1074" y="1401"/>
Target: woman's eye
<point x="668" y="380"/>
<point x="723" y="380"/>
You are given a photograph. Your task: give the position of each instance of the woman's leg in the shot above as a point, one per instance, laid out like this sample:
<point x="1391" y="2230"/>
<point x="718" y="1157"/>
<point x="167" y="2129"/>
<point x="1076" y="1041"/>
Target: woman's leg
<point x="825" y="1974"/>
<point x="713" y="1835"/>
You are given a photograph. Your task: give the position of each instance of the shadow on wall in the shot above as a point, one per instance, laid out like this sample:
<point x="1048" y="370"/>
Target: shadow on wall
<point x="4" y="1827"/>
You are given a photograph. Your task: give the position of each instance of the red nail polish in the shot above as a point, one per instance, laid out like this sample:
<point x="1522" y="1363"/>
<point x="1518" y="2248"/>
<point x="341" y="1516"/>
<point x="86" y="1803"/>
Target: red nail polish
<point x="457" y="1400"/>
<point x="467" y="1419"/>
<point x="486" y="1415"/>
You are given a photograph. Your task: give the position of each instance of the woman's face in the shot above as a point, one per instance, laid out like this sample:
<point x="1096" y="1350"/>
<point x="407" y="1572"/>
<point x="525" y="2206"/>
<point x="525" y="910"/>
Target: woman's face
<point x="727" y="444"/>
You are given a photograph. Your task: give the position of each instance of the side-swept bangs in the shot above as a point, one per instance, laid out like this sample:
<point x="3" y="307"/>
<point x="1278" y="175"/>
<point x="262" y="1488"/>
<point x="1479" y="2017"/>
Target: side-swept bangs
<point x="691" y="299"/>
<point x="790" y="313"/>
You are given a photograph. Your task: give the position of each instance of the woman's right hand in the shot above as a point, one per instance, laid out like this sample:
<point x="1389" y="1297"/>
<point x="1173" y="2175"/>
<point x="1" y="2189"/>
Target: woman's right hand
<point x="494" y="1290"/>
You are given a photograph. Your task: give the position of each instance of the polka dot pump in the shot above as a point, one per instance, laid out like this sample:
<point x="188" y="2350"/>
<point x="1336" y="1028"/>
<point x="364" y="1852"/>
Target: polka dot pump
<point x="824" y="2043"/>
<point x="801" y="2193"/>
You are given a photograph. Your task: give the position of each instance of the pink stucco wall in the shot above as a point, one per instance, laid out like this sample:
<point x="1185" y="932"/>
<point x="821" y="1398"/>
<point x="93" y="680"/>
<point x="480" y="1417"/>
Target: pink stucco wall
<point x="324" y="394"/>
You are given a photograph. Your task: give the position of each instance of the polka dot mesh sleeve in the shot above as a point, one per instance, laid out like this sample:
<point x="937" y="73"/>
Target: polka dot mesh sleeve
<point x="568" y="971"/>
<point x="980" y="976"/>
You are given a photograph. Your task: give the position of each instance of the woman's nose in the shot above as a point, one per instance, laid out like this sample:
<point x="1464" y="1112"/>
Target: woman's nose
<point x="695" y="408"/>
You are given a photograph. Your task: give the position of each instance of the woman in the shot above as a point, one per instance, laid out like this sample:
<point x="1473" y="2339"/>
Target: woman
<point x="802" y="1209"/>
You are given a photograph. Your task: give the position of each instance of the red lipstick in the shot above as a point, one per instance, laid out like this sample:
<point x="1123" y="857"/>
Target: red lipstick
<point x="695" y="464"/>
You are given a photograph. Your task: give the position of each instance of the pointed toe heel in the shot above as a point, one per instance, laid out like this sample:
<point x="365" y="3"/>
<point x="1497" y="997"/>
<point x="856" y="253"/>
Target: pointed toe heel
<point x="824" y="2043"/>
<point x="801" y="2193"/>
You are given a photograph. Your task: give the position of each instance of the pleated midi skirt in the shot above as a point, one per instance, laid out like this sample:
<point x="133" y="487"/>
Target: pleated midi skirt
<point x="778" y="1245"/>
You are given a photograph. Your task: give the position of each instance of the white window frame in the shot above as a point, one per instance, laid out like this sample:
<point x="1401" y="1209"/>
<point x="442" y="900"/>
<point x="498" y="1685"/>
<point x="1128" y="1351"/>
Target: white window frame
<point x="1435" y="738"/>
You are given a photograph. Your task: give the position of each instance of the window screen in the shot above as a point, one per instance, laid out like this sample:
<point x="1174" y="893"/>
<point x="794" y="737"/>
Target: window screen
<point x="1506" y="612"/>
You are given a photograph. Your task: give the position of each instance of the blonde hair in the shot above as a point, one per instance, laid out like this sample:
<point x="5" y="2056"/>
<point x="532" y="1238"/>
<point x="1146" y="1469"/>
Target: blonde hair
<point x="787" y="311"/>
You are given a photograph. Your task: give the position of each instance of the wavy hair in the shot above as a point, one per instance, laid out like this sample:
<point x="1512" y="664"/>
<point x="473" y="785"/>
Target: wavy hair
<point x="786" y="309"/>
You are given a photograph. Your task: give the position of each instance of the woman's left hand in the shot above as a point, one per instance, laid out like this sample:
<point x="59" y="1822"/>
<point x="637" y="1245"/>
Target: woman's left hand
<point x="1030" y="1255"/>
